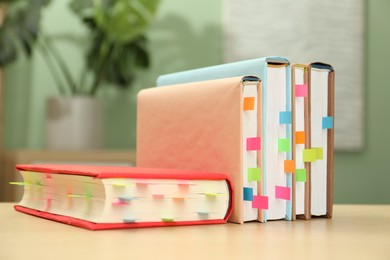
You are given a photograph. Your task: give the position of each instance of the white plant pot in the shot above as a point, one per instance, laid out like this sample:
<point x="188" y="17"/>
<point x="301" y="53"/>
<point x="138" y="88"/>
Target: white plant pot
<point x="74" y="123"/>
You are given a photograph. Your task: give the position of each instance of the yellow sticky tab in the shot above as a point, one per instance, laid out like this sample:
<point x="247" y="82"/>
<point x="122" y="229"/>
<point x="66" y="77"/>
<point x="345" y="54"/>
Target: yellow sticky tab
<point x="118" y="185"/>
<point x="19" y="183"/>
<point x="319" y="153"/>
<point x="309" y="155"/>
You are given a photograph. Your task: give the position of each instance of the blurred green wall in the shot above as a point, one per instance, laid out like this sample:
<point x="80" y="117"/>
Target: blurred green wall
<point x="188" y="34"/>
<point x="364" y="177"/>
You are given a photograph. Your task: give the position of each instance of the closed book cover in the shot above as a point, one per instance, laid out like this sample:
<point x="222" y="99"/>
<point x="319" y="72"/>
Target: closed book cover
<point x="320" y="154"/>
<point x="207" y="126"/>
<point x="277" y="166"/>
<point x="118" y="197"/>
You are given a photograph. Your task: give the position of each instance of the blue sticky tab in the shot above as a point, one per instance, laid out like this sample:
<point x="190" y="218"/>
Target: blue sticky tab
<point x="327" y="122"/>
<point x="285" y="117"/>
<point x="126" y="198"/>
<point x="129" y="220"/>
<point x="248" y="194"/>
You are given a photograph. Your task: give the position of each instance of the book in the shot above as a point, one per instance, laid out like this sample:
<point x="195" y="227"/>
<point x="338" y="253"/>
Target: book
<point x="277" y="166"/>
<point x="208" y="125"/>
<point x="301" y="196"/>
<point x="117" y="197"/>
<point x="321" y="142"/>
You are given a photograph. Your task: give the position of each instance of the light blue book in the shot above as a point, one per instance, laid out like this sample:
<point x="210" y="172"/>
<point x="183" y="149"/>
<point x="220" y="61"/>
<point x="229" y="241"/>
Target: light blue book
<point x="275" y="131"/>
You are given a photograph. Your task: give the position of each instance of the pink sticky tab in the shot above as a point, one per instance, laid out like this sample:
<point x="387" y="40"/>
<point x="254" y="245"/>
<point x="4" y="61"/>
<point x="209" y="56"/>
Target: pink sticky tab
<point x="301" y="90"/>
<point x="183" y="185"/>
<point x="260" y="202"/>
<point x="158" y="196"/>
<point x="253" y="144"/>
<point x="282" y="192"/>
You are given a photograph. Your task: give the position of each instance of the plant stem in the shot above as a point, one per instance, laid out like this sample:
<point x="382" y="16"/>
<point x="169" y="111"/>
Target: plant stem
<point x="83" y="77"/>
<point x="51" y="66"/>
<point x="98" y="75"/>
<point x="63" y="67"/>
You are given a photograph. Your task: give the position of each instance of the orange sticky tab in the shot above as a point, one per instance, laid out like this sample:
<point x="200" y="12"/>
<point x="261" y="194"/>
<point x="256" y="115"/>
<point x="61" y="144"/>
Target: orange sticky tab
<point x="249" y="103"/>
<point x="300" y="137"/>
<point x="289" y="166"/>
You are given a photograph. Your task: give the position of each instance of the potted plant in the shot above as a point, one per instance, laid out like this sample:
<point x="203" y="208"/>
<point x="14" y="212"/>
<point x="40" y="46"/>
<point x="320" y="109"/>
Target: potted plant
<point x="118" y="48"/>
<point x="19" y="27"/>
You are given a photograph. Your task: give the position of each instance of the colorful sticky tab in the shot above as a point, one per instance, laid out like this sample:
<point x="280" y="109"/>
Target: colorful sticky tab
<point x="319" y="153"/>
<point x="167" y="219"/>
<point x="285" y="117"/>
<point x="118" y="185"/>
<point x="260" y="202"/>
<point x="142" y="185"/>
<point x="77" y="196"/>
<point x="183" y="185"/>
<point x="88" y="192"/>
<point x="210" y="195"/>
<point x="282" y="192"/>
<point x="309" y="155"/>
<point x="19" y="183"/>
<point x="249" y="103"/>
<point x="48" y="203"/>
<point x="289" y="166"/>
<point x="126" y="198"/>
<point x="253" y="174"/>
<point x="158" y="196"/>
<point x="248" y="194"/>
<point x="283" y="144"/>
<point x="119" y="203"/>
<point x="129" y="220"/>
<point x="178" y="199"/>
<point x="300" y="137"/>
<point x="327" y="122"/>
<point x="300" y="175"/>
<point x="203" y="214"/>
<point x="301" y="90"/>
<point x="253" y="143"/>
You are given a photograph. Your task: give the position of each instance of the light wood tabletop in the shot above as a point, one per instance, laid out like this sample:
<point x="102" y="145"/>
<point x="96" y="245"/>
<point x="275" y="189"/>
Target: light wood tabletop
<point x="355" y="232"/>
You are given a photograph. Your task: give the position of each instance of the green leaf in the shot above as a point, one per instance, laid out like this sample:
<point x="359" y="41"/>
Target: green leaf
<point x="20" y="28"/>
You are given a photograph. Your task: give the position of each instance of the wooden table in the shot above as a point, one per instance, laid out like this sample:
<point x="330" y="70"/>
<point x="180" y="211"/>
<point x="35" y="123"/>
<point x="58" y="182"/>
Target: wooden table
<point x="355" y="232"/>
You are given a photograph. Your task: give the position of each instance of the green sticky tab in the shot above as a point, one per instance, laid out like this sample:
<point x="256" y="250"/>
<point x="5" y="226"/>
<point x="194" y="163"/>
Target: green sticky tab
<point x="300" y="175"/>
<point x="283" y="145"/>
<point x="309" y="155"/>
<point x="253" y="174"/>
<point x="319" y="153"/>
<point x="88" y="192"/>
<point x="167" y="219"/>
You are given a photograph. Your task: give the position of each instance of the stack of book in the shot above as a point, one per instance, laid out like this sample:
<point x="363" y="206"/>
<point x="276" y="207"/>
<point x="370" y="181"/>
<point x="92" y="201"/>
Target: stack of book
<point x="263" y="128"/>
<point x="266" y="123"/>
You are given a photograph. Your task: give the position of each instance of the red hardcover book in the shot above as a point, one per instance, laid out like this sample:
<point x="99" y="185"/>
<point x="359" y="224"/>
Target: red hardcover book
<point x="118" y="197"/>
